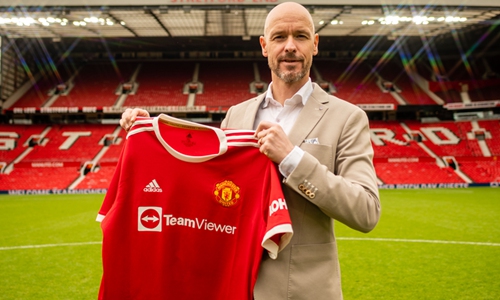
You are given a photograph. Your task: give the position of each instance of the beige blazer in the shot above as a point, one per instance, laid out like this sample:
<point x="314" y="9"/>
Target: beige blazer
<point x="335" y="180"/>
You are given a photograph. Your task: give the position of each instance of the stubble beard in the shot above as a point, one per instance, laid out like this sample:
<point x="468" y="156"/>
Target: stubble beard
<point x="290" y="76"/>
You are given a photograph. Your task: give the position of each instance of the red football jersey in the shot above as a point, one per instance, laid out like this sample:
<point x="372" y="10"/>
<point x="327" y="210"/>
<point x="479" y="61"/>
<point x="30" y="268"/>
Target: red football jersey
<point x="188" y="212"/>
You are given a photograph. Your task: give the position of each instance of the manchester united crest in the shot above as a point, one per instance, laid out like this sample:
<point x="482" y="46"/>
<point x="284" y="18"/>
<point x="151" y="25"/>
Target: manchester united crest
<point x="227" y="193"/>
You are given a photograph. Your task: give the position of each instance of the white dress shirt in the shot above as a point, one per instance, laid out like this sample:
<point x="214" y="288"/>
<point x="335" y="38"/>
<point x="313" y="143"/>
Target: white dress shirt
<point x="285" y="115"/>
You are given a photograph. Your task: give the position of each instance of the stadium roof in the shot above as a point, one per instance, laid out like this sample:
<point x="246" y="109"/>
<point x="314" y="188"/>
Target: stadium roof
<point x="241" y="18"/>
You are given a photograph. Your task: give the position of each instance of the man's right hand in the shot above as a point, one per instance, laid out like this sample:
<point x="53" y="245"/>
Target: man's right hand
<point x="129" y="116"/>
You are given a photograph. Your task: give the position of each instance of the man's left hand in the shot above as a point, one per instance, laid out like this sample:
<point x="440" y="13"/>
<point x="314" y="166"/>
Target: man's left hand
<point x="273" y="141"/>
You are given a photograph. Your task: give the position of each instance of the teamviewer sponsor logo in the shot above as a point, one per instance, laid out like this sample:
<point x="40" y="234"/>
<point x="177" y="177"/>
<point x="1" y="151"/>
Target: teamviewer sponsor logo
<point x="153" y="187"/>
<point x="149" y="218"/>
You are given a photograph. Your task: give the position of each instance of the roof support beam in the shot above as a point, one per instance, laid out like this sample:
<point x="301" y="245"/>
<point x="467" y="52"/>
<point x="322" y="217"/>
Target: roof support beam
<point x="205" y="27"/>
<point x="150" y="12"/>
<point x="122" y="24"/>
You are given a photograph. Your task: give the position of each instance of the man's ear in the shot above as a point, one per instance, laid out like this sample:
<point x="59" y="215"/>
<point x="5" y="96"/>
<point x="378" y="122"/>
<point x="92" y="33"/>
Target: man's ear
<point x="262" y="42"/>
<point x="316" y="43"/>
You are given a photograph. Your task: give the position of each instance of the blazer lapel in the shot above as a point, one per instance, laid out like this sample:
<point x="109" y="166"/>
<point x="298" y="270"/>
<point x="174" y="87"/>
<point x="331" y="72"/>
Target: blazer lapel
<point x="310" y="115"/>
<point x="251" y="111"/>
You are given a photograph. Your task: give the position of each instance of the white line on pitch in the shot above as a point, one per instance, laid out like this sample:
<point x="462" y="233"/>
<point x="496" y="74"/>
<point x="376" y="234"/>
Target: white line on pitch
<point x="338" y="238"/>
<point x="48" y="245"/>
<point x="417" y="241"/>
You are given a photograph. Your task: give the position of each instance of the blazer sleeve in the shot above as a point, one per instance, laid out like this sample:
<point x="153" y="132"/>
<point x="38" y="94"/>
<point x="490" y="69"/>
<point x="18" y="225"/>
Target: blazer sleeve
<point x="346" y="188"/>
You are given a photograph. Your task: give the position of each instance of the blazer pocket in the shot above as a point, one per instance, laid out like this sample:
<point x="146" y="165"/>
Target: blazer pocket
<point x="323" y="153"/>
<point x="314" y="272"/>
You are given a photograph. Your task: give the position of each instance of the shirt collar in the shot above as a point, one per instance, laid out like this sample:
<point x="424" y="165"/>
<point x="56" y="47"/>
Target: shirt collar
<point x="301" y="95"/>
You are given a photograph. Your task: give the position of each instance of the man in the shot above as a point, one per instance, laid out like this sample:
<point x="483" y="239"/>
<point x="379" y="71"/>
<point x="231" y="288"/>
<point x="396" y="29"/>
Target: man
<point x="322" y="147"/>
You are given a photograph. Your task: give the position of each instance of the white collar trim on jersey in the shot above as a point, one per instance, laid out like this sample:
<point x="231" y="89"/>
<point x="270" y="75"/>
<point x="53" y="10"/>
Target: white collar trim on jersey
<point x="189" y="158"/>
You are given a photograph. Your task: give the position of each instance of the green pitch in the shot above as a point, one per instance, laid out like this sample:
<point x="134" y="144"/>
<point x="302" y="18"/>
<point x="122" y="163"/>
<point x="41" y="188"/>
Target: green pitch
<point x="429" y="244"/>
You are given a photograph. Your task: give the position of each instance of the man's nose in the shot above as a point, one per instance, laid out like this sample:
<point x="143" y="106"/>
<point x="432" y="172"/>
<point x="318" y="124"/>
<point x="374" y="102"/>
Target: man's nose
<point x="290" y="45"/>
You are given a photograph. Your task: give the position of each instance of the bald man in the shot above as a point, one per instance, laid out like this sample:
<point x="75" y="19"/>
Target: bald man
<point x="322" y="147"/>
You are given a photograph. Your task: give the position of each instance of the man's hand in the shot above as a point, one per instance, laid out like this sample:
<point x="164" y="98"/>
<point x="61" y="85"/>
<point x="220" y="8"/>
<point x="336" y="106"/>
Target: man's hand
<point x="273" y="141"/>
<point x="129" y="116"/>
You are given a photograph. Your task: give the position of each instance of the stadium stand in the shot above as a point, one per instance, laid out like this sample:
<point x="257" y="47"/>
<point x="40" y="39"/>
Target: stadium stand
<point x="52" y="157"/>
<point x="94" y="85"/>
<point x="15" y="139"/>
<point x="100" y="177"/>
<point x="70" y="143"/>
<point x="44" y="86"/>
<point x="33" y="178"/>
<point x="429" y="89"/>
<point x="415" y="172"/>
<point x="455" y="69"/>
<point x="404" y="85"/>
<point x="161" y="83"/>
<point x="83" y="156"/>
<point x="229" y="85"/>
<point x="98" y="180"/>
<point x="485" y="93"/>
<point x="390" y="139"/>
<point x="493" y="143"/>
<point x="354" y="83"/>
<point x="444" y="138"/>
<point x="481" y="171"/>
<point x="449" y="95"/>
<point x="442" y="152"/>
<point x="455" y="81"/>
<point x="265" y="74"/>
<point x="164" y="83"/>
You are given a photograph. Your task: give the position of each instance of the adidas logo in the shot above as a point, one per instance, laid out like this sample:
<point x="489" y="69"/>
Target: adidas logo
<point x="153" y="187"/>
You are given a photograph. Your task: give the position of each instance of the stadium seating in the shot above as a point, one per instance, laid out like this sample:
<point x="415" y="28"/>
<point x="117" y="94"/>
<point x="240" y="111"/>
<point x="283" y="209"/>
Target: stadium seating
<point x="451" y="77"/>
<point x="485" y="94"/>
<point x="415" y="172"/>
<point x="57" y="154"/>
<point x="161" y="83"/>
<point x="30" y="178"/>
<point x="101" y="177"/>
<point x="14" y="140"/>
<point x="411" y="92"/>
<point x="95" y="85"/>
<point x="40" y="90"/>
<point x="405" y="86"/>
<point x="37" y="95"/>
<point x="264" y="71"/>
<point x="113" y="152"/>
<point x="455" y="69"/>
<point x="410" y="152"/>
<point x="449" y="96"/>
<point x="481" y="171"/>
<point x="493" y="127"/>
<point x="356" y="84"/>
<point x="445" y="138"/>
<point x="225" y="83"/>
<point x="98" y="180"/>
<point x="70" y="143"/>
<point x="404" y="151"/>
<point x="389" y="139"/>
